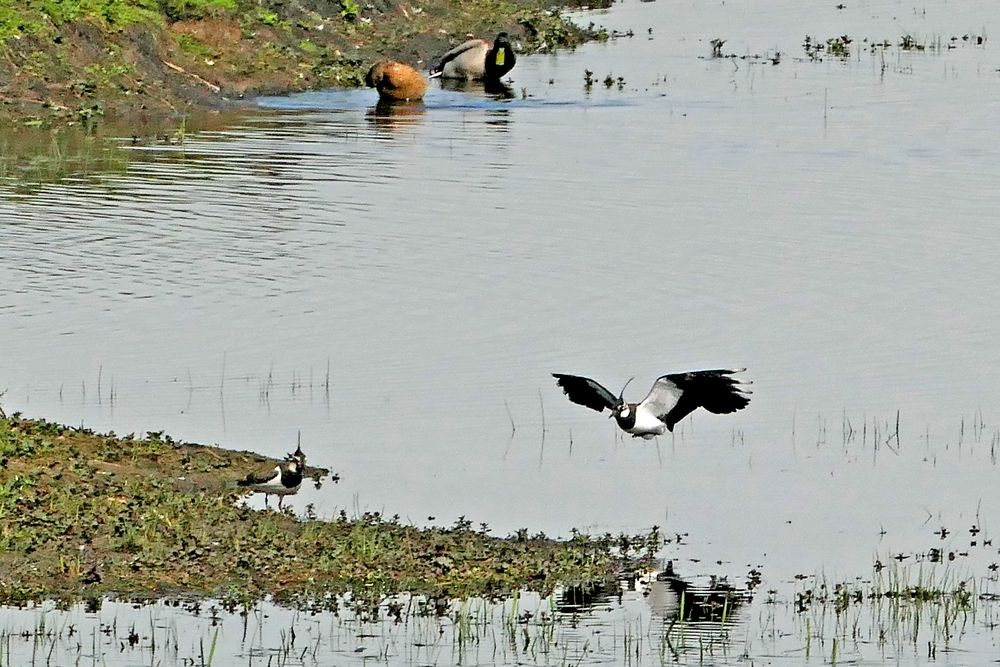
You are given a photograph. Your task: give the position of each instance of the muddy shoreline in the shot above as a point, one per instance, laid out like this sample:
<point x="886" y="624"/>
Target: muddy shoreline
<point x="104" y="62"/>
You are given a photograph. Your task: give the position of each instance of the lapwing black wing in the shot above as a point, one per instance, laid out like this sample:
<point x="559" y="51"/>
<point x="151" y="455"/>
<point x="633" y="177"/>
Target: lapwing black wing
<point x="671" y="398"/>
<point x="584" y="391"/>
<point x="675" y="396"/>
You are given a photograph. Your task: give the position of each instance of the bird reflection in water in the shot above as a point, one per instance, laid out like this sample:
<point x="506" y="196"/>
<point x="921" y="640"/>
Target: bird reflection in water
<point x="690" y="609"/>
<point x="688" y="600"/>
<point x="395" y="115"/>
<point x="584" y="597"/>
<point x="496" y="89"/>
<point x="696" y="613"/>
<point x="498" y="119"/>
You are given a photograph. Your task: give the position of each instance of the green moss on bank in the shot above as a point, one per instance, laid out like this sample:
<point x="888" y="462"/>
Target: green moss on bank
<point x="80" y="59"/>
<point x="85" y="514"/>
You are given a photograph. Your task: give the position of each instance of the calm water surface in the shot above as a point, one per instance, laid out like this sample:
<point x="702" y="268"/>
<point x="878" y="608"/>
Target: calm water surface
<point x="399" y="287"/>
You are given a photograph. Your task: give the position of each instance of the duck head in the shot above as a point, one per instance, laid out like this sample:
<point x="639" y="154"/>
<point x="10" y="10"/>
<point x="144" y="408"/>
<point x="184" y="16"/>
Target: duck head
<point x="500" y="58"/>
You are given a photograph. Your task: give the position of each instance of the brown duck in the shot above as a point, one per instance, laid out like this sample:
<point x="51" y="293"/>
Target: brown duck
<point x="396" y="82"/>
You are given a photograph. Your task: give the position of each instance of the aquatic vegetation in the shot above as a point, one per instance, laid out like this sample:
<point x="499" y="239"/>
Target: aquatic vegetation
<point x="841" y="46"/>
<point x="900" y="606"/>
<point x="89" y="514"/>
<point x="30" y="156"/>
<point x="658" y="619"/>
<point x="837" y="47"/>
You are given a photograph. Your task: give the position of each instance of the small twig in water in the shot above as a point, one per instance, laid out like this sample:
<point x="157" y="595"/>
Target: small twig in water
<point x="541" y="452"/>
<point x="222" y="380"/>
<point x="541" y="405"/>
<point x="512" y="427"/>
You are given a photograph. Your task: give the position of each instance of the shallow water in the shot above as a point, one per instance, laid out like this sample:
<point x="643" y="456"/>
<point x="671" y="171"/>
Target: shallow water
<point x="608" y="629"/>
<point x="646" y="624"/>
<point x="399" y="287"/>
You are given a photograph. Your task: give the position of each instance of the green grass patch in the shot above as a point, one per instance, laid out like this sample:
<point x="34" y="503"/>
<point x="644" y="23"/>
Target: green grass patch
<point x="84" y="514"/>
<point x="41" y="18"/>
<point x="177" y="10"/>
<point x="192" y="46"/>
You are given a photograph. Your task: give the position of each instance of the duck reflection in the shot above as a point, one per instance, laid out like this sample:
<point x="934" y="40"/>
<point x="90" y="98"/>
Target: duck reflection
<point x="491" y="88"/>
<point x="389" y="115"/>
<point x="498" y="119"/>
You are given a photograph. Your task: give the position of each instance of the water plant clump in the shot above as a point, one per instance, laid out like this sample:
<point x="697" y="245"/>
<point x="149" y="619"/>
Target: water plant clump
<point x="901" y="605"/>
<point x="86" y="515"/>
<point x="840" y="46"/>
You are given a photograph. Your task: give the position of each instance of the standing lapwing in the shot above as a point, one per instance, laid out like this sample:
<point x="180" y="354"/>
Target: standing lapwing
<point x="477" y="59"/>
<point x="672" y="398"/>
<point x="282" y="480"/>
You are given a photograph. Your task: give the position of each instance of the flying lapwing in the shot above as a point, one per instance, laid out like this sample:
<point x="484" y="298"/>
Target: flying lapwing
<point x="672" y="397"/>
<point x="282" y="480"/>
<point x="477" y="59"/>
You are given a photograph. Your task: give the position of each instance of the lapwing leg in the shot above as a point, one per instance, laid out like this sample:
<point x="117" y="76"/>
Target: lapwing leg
<point x="281" y="499"/>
